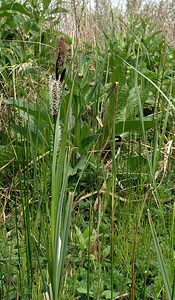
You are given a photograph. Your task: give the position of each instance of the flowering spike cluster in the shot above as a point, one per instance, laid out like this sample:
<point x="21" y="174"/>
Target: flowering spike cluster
<point x="58" y="140"/>
<point x="61" y="56"/>
<point x="55" y="95"/>
<point x="55" y="86"/>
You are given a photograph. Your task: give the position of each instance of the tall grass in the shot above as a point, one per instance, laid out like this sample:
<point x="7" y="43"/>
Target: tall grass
<point x="75" y="191"/>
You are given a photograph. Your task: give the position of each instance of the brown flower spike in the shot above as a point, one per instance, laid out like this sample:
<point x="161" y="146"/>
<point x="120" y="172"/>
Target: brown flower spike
<point x="61" y="56"/>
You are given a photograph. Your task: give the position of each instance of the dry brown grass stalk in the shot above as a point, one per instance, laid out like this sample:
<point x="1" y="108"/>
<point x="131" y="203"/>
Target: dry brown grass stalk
<point x="88" y="23"/>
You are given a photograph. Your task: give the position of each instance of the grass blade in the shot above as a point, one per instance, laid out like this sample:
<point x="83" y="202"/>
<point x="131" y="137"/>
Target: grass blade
<point x="163" y="268"/>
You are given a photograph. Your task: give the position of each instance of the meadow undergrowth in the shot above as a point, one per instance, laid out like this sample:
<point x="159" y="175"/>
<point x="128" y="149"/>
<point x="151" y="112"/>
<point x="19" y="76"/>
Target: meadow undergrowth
<point x="87" y="195"/>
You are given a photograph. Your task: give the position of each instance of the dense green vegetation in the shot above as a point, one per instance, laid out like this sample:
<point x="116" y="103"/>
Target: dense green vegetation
<point x="90" y="216"/>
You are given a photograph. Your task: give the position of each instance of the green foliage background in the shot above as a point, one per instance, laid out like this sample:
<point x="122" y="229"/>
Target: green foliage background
<point x="115" y="161"/>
